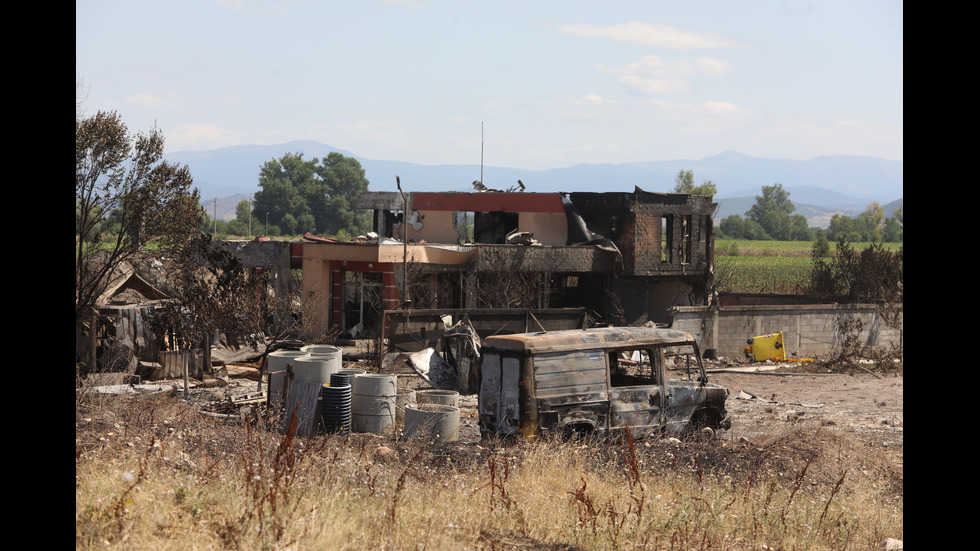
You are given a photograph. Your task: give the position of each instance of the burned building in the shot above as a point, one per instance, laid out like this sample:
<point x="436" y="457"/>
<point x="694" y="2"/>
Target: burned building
<point x="628" y="257"/>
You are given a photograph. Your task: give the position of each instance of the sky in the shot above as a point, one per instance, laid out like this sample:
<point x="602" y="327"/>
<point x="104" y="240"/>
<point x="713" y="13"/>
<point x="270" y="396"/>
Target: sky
<point x="530" y="84"/>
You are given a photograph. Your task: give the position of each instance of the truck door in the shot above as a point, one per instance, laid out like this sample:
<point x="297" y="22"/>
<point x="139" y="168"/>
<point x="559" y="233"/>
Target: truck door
<point x="499" y="394"/>
<point x="636" y="394"/>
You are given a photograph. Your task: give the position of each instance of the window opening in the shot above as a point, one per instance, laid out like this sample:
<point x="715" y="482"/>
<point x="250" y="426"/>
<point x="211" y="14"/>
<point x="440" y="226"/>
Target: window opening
<point x="681" y="363"/>
<point x="493" y="227"/>
<point x="634" y="367"/>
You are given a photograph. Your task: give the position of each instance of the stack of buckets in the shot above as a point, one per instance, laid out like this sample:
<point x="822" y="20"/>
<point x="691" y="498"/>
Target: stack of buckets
<point x="351" y="400"/>
<point x="311" y="364"/>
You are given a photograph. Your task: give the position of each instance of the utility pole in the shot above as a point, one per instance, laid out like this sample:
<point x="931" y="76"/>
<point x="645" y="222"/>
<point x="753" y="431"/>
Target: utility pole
<point x="405" y="297"/>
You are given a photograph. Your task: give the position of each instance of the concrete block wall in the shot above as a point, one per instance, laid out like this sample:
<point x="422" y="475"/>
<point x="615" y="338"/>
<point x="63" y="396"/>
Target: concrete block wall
<point x="808" y="330"/>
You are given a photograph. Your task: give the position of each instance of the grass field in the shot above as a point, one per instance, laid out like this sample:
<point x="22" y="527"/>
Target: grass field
<point x="741" y="247"/>
<point x="781" y="267"/>
<point x="762" y="274"/>
<point x="152" y="473"/>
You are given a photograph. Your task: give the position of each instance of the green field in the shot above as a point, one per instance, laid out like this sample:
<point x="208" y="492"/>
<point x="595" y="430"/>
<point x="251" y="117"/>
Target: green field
<point x="781" y="267"/>
<point x="762" y="274"/>
<point x="742" y="247"/>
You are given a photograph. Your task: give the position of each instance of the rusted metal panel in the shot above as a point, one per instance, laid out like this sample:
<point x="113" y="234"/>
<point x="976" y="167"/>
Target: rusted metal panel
<point x="688" y="398"/>
<point x="637" y="407"/>
<point x="569" y="378"/>
<point x="509" y="413"/>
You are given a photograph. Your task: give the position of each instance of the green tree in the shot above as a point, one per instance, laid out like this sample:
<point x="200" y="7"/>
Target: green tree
<point x="236" y="227"/>
<point x="283" y="182"/>
<point x="345" y="182"/>
<point x="126" y="196"/>
<point x="737" y="227"/>
<point x="300" y="195"/>
<point x="243" y="212"/>
<point x="773" y="212"/>
<point x="799" y="229"/>
<point x="684" y="183"/>
<point x="840" y="227"/>
<point x="872" y="222"/>
<point x="892" y="231"/>
<point x="821" y="247"/>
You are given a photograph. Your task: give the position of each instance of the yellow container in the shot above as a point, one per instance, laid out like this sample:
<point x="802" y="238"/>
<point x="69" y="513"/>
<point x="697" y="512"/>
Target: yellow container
<point x="769" y="347"/>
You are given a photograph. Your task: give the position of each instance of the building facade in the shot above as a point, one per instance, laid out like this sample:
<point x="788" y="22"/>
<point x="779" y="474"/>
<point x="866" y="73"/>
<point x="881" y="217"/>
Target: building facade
<point x="628" y="257"/>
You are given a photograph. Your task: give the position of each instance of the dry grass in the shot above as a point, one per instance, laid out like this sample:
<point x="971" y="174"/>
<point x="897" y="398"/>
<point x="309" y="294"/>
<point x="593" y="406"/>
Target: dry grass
<point x="152" y="473"/>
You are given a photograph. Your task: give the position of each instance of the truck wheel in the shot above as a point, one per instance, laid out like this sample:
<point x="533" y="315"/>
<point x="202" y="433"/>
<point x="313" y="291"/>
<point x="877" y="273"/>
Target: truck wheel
<point x="706" y="434"/>
<point x="577" y="431"/>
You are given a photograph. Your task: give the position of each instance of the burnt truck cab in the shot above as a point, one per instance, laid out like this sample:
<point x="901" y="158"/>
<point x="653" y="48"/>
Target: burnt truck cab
<point x="595" y="380"/>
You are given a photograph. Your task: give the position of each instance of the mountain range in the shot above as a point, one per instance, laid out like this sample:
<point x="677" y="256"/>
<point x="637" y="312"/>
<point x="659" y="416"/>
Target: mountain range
<point x="819" y="187"/>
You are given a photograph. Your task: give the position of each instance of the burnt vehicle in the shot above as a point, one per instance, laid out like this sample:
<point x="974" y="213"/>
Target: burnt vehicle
<point x="572" y="382"/>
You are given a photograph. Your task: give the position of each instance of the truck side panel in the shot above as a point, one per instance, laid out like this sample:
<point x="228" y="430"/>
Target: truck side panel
<point x="571" y="389"/>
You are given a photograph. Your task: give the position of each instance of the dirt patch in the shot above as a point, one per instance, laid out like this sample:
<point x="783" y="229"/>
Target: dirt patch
<point x="867" y="408"/>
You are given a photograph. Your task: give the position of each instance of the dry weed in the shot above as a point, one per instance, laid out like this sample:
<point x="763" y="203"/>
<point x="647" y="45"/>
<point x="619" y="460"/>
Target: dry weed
<point x="154" y="473"/>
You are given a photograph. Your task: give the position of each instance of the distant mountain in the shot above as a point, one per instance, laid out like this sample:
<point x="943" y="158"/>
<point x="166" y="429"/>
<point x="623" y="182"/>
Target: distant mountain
<point x="831" y="183"/>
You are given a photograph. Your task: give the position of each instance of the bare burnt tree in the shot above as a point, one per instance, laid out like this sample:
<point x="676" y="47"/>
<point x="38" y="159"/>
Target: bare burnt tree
<point x="504" y="285"/>
<point x="211" y="291"/>
<point x="126" y="196"/>
<point x="433" y="289"/>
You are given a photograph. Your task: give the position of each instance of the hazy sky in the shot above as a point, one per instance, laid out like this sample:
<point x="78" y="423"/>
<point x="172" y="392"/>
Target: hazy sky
<point x="553" y="83"/>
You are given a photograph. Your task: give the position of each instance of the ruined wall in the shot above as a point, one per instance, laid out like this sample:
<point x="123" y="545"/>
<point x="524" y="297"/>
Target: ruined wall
<point x="672" y="234"/>
<point x="659" y="234"/>
<point x="641" y="300"/>
<point x="273" y="256"/>
<point x="648" y="236"/>
<point x="808" y="330"/>
<point x="549" y="228"/>
<point x="436" y="227"/>
<point x="316" y="293"/>
<point x="502" y="258"/>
